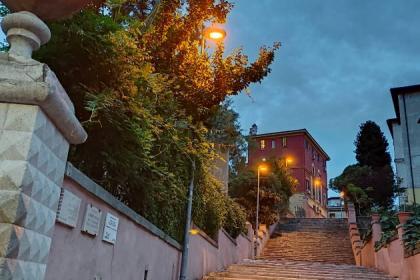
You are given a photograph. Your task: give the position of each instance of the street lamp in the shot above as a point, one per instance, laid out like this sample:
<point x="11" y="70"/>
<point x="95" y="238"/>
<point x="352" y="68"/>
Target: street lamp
<point x="261" y="168"/>
<point x="213" y="33"/>
<point x="289" y="161"/>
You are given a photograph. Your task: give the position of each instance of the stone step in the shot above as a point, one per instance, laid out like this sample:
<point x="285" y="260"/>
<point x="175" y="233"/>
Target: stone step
<point x="312" y="249"/>
<point x="269" y="270"/>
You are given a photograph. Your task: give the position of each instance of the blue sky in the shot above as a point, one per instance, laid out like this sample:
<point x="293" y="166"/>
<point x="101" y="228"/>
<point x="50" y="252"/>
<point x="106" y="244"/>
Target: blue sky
<point x="334" y="71"/>
<point x="338" y="60"/>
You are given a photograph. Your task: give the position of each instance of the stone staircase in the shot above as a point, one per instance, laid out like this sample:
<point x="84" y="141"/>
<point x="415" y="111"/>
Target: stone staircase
<point x="303" y="249"/>
<point x="318" y="240"/>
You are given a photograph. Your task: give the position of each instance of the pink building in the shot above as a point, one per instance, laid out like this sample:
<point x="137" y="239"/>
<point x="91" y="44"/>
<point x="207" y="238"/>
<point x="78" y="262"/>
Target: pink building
<point x="306" y="160"/>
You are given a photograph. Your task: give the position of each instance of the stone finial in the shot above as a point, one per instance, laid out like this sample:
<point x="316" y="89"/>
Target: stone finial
<point x="25" y="32"/>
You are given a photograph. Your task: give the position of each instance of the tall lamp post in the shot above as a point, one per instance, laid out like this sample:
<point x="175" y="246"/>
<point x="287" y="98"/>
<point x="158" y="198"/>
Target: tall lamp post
<point x="261" y="168"/>
<point x="217" y="35"/>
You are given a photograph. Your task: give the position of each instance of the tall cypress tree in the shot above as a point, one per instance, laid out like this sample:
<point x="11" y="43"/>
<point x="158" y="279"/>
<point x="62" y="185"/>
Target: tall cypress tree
<point x="372" y="146"/>
<point x="372" y="151"/>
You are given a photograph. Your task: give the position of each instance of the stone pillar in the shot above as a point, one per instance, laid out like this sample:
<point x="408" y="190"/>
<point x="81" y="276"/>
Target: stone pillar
<point x="37" y="124"/>
<point x="356" y="242"/>
<point x="376" y="228"/>
<point x="402" y="218"/>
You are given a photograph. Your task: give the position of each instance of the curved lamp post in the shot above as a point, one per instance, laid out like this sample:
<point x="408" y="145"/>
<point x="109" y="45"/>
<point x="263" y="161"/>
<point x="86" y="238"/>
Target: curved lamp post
<point x="217" y="35"/>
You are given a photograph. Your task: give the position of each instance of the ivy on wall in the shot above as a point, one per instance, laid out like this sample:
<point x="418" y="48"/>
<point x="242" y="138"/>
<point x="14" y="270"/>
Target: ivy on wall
<point x="411" y="236"/>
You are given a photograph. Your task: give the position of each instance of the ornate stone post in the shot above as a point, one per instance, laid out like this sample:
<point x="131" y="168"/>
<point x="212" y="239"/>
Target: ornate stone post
<point x="37" y="124"/>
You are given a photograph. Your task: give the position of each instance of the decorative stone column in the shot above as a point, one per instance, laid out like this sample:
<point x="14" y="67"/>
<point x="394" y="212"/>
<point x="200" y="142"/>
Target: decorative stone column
<point x="402" y="218"/>
<point x="37" y="124"/>
<point x="376" y="227"/>
<point x="356" y="242"/>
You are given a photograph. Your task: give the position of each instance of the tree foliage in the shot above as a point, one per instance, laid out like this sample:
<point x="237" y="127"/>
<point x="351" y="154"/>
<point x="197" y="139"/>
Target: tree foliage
<point x="150" y="101"/>
<point x="371" y="146"/>
<point x="355" y="182"/>
<point x="370" y="182"/>
<point x="276" y="187"/>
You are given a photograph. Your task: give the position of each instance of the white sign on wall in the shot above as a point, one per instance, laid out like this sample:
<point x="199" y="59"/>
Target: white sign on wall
<point x="92" y="220"/>
<point x="68" y="208"/>
<point x="110" y="229"/>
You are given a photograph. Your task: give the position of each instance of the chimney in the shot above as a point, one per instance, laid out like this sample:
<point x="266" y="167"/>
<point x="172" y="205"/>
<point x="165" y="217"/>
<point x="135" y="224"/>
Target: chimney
<point x="253" y="130"/>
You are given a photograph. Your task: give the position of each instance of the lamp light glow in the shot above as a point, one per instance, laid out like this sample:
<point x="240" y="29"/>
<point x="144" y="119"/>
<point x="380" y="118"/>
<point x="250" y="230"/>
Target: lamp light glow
<point x="215" y="33"/>
<point x="194" y="231"/>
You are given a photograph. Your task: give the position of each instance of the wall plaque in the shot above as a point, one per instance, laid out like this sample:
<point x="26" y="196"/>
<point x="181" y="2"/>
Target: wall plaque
<point x="110" y="228"/>
<point x="92" y="220"/>
<point x="68" y="208"/>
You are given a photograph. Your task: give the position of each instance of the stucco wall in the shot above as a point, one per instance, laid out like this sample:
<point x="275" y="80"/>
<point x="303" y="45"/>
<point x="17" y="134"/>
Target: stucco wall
<point x="75" y="255"/>
<point x="390" y="258"/>
<point x="209" y="256"/>
<point x="139" y="246"/>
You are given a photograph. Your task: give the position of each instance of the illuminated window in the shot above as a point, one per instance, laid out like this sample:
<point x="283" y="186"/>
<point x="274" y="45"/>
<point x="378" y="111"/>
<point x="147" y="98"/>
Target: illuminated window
<point x="273" y="144"/>
<point x="284" y="139"/>
<point x="262" y="144"/>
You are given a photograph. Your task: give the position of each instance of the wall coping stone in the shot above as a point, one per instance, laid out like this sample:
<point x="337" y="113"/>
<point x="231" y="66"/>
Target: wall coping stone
<point x="89" y="185"/>
<point x="243" y="235"/>
<point x="207" y="238"/>
<point x="229" y="237"/>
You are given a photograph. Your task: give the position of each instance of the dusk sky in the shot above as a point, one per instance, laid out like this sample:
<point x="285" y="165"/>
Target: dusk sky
<point x="338" y="61"/>
<point x="334" y="71"/>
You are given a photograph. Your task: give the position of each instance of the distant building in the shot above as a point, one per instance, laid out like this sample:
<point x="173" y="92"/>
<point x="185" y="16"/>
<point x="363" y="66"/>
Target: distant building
<point x="336" y="208"/>
<point x="405" y="131"/>
<point x="220" y="168"/>
<point x="306" y="160"/>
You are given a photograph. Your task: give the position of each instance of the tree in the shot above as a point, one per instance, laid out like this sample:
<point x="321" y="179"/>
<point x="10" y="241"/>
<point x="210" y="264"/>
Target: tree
<point x="372" y="146"/>
<point x="146" y="94"/>
<point x="372" y="151"/>
<point x="355" y="182"/>
<point x="370" y="182"/>
<point x="275" y="191"/>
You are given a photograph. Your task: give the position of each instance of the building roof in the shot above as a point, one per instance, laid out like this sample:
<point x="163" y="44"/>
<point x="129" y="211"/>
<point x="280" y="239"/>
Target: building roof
<point x="293" y="132"/>
<point x="402" y="90"/>
<point x="394" y="93"/>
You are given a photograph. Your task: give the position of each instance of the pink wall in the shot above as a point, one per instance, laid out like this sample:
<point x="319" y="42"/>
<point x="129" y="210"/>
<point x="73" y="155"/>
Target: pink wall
<point x="139" y="245"/>
<point x="390" y="258"/>
<point x="209" y="256"/>
<point x="75" y="255"/>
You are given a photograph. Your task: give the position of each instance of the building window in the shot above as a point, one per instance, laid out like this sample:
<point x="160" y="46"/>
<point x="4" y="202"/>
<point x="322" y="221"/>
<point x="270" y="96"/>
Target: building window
<point x="262" y="144"/>
<point x="284" y="139"/>
<point x="273" y="144"/>
<point x="307" y="185"/>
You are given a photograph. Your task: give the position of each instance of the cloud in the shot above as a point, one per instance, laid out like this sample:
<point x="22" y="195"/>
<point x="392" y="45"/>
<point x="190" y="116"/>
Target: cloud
<point x="334" y="71"/>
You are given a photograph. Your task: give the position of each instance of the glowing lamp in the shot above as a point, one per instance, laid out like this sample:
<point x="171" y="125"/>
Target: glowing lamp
<point x="263" y="167"/>
<point x="215" y="33"/>
<point x="194" y="231"/>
